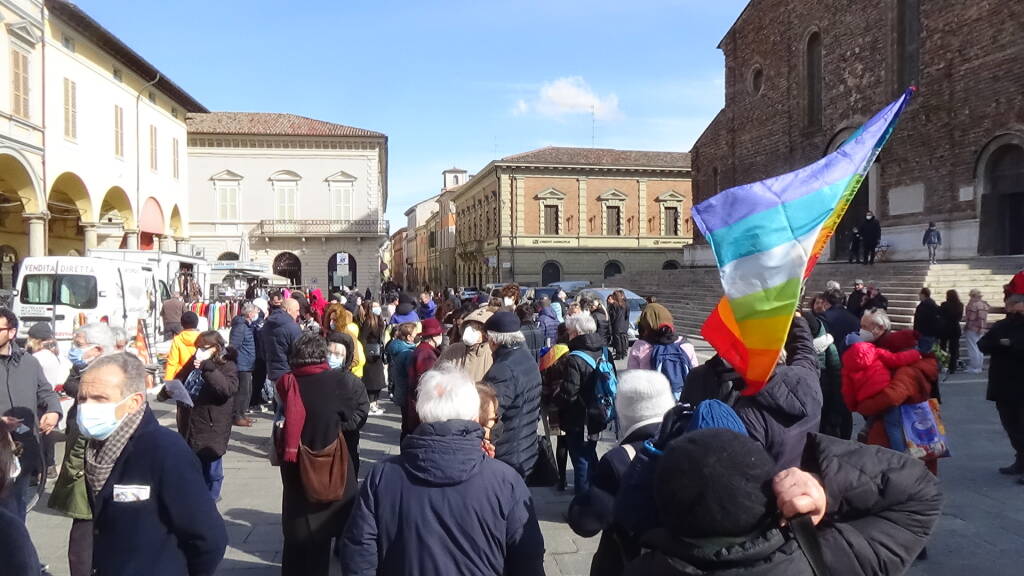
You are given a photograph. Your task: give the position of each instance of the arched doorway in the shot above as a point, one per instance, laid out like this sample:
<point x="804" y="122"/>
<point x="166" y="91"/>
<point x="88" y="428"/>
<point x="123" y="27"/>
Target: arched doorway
<point x="69" y="206"/>
<point x="612" y="268"/>
<point x="1002" y="199"/>
<point x="151" y="224"/>
<point x="18" y="196"/>
<point x="228" y="257"/>
<point x="550" y="273"/>
<point x="670" y="265"/>
<point x="860" y="204"/>
<point x="289" y="266"/>
<point x="341" y="270"/>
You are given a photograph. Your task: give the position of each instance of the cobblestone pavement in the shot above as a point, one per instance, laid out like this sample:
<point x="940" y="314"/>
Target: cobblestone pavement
<point x="981" y="531"/>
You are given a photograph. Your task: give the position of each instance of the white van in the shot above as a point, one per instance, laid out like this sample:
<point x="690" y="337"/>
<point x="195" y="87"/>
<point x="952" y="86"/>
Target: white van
<point x="171" y="269"/>
<point x="72" y="291"/>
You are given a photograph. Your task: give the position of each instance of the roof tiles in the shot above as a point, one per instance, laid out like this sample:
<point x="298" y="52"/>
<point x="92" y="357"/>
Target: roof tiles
<point x="270" y="124"/>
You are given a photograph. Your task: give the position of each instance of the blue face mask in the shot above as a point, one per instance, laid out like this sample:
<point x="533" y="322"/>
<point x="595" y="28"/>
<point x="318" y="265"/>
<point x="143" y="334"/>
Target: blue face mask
<point x="335" y="361"/>
<point x="75" y="356"/>
<point x="98" y="420"/>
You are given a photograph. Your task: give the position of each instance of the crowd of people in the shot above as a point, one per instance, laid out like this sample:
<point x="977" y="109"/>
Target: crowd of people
<point x="496" y="396"/>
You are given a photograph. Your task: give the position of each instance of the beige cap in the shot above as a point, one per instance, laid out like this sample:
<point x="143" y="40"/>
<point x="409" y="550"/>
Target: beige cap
<point x="480" y="315"/>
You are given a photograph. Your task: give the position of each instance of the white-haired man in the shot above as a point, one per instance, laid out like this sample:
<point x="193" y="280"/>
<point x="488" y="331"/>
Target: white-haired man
<point x="580" y="415"/>
<point x="443" y="506"/>
<point x="515" y="376"/>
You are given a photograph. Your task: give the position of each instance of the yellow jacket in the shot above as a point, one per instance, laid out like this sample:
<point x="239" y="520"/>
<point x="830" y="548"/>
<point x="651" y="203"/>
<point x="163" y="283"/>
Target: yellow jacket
<point x="356" y="367"/>
<point x="183" y="347"/>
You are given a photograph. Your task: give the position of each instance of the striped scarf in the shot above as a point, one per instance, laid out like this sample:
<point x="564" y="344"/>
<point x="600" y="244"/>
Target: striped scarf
<point x="101" y="455"/>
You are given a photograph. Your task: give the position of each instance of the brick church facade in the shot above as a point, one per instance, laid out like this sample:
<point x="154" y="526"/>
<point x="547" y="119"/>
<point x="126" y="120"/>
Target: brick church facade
<point x="801" y="76"/>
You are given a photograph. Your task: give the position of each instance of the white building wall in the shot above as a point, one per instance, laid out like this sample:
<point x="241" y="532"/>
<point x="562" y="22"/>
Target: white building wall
<point x="256" y="201"/>
<point x="91" y="154"/>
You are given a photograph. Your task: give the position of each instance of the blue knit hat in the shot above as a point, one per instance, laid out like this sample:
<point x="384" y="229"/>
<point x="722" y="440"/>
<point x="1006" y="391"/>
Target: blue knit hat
<point x="716" y="414"/>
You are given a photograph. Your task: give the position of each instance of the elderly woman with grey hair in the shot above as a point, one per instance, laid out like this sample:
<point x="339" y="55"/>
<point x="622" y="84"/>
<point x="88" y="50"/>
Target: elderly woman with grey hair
<point x="443" y="506"/>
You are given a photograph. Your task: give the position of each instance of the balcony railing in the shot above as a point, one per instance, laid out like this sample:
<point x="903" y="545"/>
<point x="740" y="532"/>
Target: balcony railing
<point x="323" y="227"/>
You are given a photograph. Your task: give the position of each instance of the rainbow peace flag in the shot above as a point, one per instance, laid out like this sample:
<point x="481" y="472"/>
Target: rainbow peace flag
<point x="767" y="237"/>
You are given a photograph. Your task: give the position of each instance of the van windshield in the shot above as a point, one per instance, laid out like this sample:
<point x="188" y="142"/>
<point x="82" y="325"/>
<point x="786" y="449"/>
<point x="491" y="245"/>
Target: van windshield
<point x="68" y="290"/>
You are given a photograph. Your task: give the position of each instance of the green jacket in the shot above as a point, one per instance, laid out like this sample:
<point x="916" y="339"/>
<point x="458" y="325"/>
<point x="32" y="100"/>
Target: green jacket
<point x="70" y="493"/>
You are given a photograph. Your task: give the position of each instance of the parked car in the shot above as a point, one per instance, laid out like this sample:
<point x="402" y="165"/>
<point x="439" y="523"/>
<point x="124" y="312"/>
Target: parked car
<point x="570" y="286"/>
<point x="636" y="304"/>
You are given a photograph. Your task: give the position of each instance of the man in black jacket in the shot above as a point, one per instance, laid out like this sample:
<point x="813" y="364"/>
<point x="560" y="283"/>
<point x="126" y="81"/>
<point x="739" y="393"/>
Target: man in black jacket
<point x="579" y="415"/>
<point x="515" y="376"/>
<point x="782" y="413"/>
<point x="927" y="321"/>
<point x="873" y="509"/>
<point x="871" y="231"/>
<point x="855" y="301"/>
<point x="24" y="390"/>
<point x="1004" y="344"/>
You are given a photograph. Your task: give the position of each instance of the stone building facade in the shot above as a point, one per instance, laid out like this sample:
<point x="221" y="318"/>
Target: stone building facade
<point x="302" y="197"/>
<point x="557" y="214"/>
<point x="801" y="76"/>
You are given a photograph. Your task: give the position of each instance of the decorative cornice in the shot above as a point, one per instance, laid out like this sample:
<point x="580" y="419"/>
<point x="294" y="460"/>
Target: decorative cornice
<point x="227" y="175"/>
<point x="24" y="31"/>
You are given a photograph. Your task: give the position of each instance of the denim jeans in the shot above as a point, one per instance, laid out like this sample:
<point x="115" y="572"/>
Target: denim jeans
<point x="583" y="454"/>
<point x="213" y="473"/>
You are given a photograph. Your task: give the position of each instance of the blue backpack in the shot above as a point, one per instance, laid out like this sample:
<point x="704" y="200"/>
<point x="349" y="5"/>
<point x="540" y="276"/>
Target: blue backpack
<point x="672" y="361"/>
<point x="607" y="384"/>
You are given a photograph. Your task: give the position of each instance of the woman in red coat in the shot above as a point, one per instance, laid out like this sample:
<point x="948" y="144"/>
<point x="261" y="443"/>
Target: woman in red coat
<point x="423" y="359"/>
<point x="910" y="384"/>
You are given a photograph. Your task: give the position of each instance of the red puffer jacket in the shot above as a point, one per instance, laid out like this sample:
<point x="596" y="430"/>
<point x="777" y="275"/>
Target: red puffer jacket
<point x="867" y="370"/>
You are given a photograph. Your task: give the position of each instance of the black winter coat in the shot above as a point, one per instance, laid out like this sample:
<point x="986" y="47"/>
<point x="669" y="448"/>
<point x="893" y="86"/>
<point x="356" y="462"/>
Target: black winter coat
<point x="534" y="335"/>
<point x="207" y="425"/>
<point x="927" y="320"/>
<point x="279" y="332"/>
<point x="782" y="413"/>
<point x="871" y="231"/>
<point x="603" y="325"/>
<point x="594" y="511"/>
<point x="1007" y="367"/>
<point x="443" y="507"/>
<point x="515" y="376"/>
<point x="618" y="319"/>
<point x="950" y="315"/>
<point x="882" y="507"/>
<point x="855" y="302"/>
<point x="176" y="530"/>
<point x="576" y="398"/>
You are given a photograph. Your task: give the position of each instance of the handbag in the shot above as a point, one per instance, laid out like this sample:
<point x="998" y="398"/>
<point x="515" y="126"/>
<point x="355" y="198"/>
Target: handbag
<point x="373" y="351"/>
<point x="324" y="472"/>
<point x="194" y="383"/>
<point x="923" y="430"/>
<point x="545" y="470"/>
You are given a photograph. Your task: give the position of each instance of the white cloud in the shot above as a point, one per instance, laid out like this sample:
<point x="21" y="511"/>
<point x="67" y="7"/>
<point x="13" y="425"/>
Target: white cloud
<point x="569" y="96"/>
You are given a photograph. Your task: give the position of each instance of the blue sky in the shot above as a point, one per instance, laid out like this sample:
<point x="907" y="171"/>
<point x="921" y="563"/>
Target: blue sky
<point x="455" y="82"/>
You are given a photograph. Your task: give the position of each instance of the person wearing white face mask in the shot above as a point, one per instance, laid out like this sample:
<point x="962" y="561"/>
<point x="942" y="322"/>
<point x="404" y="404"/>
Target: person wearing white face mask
<point x="340" y="349"/>
<point x="206" y="426"/>
<point x="471" y="355"/>
<point x="152" y="511"/>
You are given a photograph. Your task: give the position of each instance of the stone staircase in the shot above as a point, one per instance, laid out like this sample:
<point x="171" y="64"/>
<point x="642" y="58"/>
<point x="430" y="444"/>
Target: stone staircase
<point x="692" y="293"/>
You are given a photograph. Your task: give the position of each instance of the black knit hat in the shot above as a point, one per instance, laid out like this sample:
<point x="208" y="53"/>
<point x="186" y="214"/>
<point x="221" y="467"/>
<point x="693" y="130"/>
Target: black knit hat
<point x="714" y="483"/>
<point x="503" y="322"/>
<point x="41" y="331"/>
